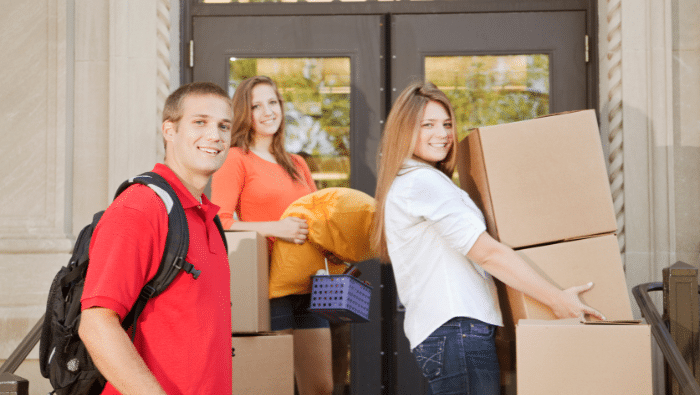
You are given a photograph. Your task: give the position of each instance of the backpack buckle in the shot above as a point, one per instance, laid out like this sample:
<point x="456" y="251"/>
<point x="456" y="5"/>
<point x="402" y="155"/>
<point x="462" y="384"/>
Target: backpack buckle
<point x="147" y="291"/>
<point x="187" y="267"/>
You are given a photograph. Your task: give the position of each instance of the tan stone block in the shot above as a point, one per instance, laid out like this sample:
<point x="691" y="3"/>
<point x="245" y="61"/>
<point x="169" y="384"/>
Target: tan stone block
<point x="92" y="30"/>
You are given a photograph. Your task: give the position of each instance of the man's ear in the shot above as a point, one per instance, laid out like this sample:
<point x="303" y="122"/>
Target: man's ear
<point x="169" y="129"/>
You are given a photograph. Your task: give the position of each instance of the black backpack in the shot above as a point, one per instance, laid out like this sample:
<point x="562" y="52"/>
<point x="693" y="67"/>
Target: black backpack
<point x="63" y="358"/>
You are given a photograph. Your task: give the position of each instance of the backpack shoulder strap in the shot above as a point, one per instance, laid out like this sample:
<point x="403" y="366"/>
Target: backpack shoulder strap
<point x="220" y="227"/>
<point x="176" y="243"/>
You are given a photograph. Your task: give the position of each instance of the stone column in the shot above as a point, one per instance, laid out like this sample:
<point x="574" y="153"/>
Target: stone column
<point x="35" y="161"/>
<point x="139" y="81"/>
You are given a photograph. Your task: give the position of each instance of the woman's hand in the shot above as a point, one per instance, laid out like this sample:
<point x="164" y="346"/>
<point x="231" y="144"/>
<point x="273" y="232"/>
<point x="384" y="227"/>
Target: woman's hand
<point x="292" y="229"/>
<point x="570" y="306"/>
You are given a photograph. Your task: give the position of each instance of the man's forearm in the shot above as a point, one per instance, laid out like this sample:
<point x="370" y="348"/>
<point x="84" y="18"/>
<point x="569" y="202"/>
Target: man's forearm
<point x="114" y="354"/>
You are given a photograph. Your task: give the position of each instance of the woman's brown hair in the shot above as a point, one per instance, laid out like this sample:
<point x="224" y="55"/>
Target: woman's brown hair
<point x="398" y="143"/>
<point x="242" y="133"/>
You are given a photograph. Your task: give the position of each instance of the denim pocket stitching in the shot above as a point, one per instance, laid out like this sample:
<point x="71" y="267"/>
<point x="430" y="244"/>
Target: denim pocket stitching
<point x="429" y="356"/>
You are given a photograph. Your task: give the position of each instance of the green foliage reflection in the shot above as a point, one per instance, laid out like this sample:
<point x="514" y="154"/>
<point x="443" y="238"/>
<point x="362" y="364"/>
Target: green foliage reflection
<point x="489" y="90"/>
<point x="316" y="92"/>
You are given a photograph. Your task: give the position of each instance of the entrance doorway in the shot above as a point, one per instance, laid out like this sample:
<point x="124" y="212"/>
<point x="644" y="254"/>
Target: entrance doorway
<point x="339" y="72"/>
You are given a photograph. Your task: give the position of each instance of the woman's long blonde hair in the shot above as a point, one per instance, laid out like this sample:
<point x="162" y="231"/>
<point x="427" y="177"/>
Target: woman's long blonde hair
<point x="398" y="143"/>
<point x="242" y="133"/>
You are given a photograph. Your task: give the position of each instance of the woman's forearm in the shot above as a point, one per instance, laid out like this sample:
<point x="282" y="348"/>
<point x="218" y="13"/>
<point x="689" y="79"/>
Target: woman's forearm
<point x="266" y="229"/>
<point x="506" y="265"/>
<point x="291" y="229"/>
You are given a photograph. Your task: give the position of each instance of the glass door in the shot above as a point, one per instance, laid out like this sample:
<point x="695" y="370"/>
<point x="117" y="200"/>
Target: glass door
<point x="495" y="68"/>
<point x="329" y="71"/>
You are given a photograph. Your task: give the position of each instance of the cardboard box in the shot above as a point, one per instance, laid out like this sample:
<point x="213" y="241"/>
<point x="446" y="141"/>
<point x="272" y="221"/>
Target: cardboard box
<point x="567" y="357"/>
<point x="539" y="181"/>
<point x="249" y="261"/>
<point x="572" y="263"/>
<point x="263" y="364"/>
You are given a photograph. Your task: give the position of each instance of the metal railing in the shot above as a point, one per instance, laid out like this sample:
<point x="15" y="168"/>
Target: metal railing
<point x="672" y="355"/>
<point x="9" y="383"/>
<point x="23" y="349"/>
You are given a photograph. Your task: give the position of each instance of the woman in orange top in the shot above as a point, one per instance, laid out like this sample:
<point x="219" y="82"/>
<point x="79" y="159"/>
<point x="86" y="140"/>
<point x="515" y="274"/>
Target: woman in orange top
<point x="258" y="181"/>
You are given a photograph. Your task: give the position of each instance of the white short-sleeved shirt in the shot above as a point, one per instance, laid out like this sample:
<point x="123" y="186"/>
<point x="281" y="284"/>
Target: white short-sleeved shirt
<point x="430" y="227"/>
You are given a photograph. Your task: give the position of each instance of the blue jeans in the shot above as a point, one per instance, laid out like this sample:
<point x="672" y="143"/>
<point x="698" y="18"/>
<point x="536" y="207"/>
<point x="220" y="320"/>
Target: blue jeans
<point x="460" y="358"/>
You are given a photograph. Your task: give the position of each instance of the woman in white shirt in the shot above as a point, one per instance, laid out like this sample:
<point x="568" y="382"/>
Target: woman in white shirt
<point x="442" y="258"/>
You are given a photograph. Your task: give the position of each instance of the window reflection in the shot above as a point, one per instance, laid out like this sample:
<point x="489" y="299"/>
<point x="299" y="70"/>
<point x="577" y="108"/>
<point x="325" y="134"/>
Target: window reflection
<point x="316" y="92"/>
<point x="489" y="90"/>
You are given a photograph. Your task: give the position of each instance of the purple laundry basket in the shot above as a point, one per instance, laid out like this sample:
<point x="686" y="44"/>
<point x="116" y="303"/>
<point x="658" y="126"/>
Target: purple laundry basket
<point x="340" y="298"/>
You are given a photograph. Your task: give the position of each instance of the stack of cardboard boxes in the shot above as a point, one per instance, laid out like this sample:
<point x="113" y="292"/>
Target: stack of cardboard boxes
<point x="263" y="362"/>
<point x="543" y="188"/>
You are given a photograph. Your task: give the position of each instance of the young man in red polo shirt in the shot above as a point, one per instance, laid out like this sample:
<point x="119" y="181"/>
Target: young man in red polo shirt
<point x="183" y="337"/>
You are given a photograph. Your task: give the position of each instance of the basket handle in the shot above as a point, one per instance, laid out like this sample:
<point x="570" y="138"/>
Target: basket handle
<point x="337" y="260"/>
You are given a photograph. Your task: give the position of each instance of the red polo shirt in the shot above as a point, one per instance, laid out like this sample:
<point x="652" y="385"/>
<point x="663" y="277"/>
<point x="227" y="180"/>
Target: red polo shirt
<point x="184" y="334"/>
